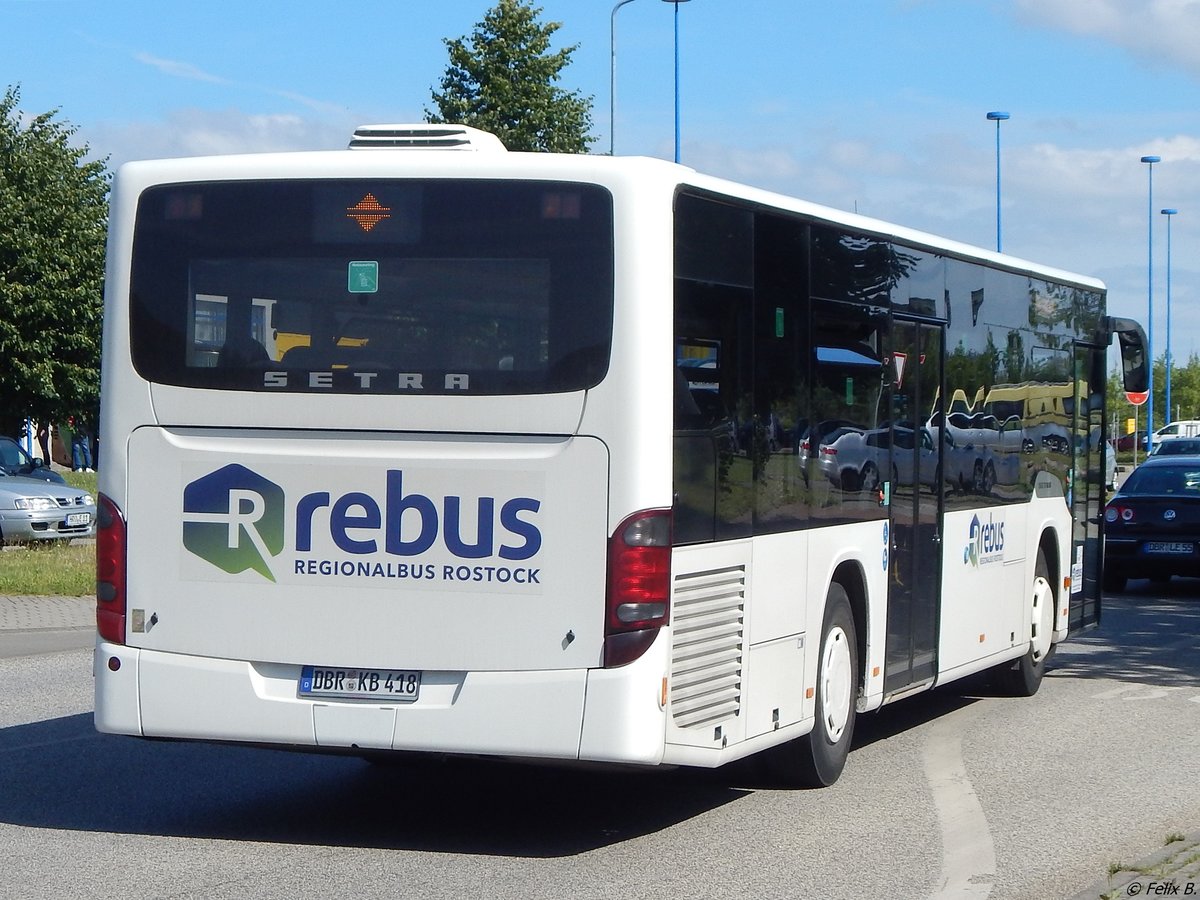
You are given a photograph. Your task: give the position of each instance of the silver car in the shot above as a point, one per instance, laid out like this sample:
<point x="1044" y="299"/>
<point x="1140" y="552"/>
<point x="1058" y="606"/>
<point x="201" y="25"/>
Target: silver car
<point x="36" y="510"/>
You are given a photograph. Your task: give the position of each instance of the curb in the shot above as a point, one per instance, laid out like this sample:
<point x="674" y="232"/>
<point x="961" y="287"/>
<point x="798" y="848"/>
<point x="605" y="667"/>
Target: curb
<point x="1173" y="871"/>
<point x="20" y="613"/>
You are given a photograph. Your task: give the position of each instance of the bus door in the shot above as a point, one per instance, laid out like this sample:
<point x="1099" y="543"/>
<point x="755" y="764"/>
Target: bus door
<point x="915" y="500"/>
<point x="1087" y="484"/>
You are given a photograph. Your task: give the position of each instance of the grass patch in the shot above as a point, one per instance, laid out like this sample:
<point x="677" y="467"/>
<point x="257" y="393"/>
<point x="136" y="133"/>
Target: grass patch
<point x="1162" y="870"/>
<point x="49" y="569"/>
<point x="84" y="480"/>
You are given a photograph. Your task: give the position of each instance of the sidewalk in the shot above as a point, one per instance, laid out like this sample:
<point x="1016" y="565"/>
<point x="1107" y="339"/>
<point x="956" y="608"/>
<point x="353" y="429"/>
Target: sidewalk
<point x="19" y="613"/>
<point x="33" y="625"/>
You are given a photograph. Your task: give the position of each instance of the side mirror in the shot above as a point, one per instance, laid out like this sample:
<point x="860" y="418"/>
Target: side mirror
<point x="1131" y="340"/>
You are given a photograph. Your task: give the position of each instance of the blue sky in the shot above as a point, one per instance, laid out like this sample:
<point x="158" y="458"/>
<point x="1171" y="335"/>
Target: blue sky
<point x="874" y="105"/>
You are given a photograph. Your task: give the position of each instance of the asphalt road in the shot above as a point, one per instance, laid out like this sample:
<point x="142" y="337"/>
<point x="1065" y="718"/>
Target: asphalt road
<point x="959" y="793"/>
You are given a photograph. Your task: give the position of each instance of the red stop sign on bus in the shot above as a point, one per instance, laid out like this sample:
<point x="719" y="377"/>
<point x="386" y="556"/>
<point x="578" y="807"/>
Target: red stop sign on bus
<point x="1137" y="398"/>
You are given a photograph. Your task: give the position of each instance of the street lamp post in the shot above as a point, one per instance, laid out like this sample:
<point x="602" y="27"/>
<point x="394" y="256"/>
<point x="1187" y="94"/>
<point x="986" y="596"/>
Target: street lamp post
<point x="676" y="2"/>
<point x="1150" y="161"/>
<point x="612" y="77"/>
<point x="998" y="117"/>
<point x="1168" y="213"/>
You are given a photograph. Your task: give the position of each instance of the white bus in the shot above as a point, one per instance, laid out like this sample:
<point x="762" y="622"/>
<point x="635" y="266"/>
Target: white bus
<point x="517" y="470"/>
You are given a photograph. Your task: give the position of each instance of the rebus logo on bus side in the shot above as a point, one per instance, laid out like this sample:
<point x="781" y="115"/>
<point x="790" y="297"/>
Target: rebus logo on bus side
<point x="985" y="542"/>
<point x="234" y="519"/>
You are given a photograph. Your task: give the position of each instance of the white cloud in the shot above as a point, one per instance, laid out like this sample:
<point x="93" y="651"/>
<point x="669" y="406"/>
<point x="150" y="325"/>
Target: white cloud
<point x="195" y="132"/>
<point x="1153" y="30"/>
<point x="190" y="72"/>
<point x="177" y="69"/>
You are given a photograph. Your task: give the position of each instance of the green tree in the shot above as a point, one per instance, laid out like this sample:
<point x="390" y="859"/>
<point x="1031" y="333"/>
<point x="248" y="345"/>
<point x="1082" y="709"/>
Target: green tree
<point x="1185" y="395"/>
<point x="53" y="217"/>
<point x="502" y="79"/>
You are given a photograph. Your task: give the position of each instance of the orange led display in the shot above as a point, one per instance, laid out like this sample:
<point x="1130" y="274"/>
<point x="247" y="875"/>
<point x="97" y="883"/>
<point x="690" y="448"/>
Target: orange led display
<point x="368" y="212"/>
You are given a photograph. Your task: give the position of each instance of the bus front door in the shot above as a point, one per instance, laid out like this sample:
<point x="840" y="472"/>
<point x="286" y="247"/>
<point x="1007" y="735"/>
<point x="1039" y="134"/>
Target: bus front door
<point x="916" y="506"/>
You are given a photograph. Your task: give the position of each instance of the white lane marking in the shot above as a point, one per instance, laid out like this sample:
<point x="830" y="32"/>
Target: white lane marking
<point x="968" y="856"/>
<point x="1115" y="692"/>
<point x="1139" y="692"/>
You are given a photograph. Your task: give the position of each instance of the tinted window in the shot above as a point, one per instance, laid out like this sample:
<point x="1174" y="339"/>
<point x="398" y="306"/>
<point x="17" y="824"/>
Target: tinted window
<point x="1183" y="479"/>
<point x="1177" y="446"/>
<point x="374" y="286"/>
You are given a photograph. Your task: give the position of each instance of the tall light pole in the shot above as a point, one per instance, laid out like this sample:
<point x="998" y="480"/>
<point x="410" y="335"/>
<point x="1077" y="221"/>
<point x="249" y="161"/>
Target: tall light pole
<point x="1150" y="161"/>
<point x="1168" y="213"/>
<point x="676" y="2"/>
<point x="998" y="117"/>
<point x="612" y="77"/>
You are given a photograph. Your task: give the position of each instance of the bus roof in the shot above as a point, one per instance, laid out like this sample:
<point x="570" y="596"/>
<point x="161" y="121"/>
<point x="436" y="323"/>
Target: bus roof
<point x="425" y="158"/>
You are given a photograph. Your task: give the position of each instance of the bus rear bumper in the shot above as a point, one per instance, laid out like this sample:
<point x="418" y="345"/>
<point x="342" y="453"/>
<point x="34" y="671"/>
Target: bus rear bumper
<point x="538" y="714"/>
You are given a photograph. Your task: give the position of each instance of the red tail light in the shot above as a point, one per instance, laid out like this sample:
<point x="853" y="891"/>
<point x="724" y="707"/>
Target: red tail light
<point x="639" y="585"/>
<point x="1124" y="513"/>
<point x="110" y="572"/>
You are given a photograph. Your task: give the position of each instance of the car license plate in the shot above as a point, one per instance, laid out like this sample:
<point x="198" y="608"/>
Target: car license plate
<point x="74" y="520"/>
<point x="360" y="684"/>
<point x="1169" y="547"/>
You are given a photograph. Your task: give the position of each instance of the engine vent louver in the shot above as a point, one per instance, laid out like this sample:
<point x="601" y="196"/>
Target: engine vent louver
<point x="708" y="615"/>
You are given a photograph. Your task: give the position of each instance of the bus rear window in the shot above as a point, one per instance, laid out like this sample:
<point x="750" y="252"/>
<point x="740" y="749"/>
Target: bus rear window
<point x="350" y="286"/>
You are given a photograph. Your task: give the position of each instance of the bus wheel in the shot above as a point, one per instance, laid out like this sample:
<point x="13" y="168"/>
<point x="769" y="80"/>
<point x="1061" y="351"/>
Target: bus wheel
<point x="1024" y="677"/>
<point x="817" y="758"/>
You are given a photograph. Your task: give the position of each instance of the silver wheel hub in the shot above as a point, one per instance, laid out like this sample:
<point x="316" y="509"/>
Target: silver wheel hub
<point x="1042" y="615"/>
<point x="836" y="681"/>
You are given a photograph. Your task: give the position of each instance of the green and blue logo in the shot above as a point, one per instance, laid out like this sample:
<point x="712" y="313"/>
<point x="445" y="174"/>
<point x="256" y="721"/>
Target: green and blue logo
<point x="233" y="518"/>
<point x="985" y="542"/>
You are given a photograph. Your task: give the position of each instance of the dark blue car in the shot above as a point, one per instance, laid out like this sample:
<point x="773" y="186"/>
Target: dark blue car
<point x="15" y="461"/>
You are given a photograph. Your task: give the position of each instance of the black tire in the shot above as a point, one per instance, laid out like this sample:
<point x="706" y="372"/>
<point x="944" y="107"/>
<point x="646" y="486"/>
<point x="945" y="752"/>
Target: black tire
<point x="817" y="758"/>
<point x="1023" y="677"/>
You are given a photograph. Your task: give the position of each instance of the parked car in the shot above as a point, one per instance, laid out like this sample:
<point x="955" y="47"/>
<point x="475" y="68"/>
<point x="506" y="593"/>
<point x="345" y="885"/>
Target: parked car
<point x="1183" y="428"/>
<point x="1152" y="524"/>
<point x="35" y="510"/>
<point x="1129" y="441"/>
<point x="1110" y="466"/>
<point x="862" y="460"/>
<point x="15" y="461"/>
<point x="811" y="439"/>
<point x="1179" y="446"/>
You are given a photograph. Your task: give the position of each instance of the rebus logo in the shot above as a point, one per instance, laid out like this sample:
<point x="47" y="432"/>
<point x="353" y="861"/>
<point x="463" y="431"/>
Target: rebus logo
<point x="985" y="542"/>
<point x="233" y="518"/>
<point x="357" y="523"/>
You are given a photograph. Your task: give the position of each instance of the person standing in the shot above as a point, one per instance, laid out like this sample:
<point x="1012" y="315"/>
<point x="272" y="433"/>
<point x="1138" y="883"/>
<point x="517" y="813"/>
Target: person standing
<point x="81" y="446"/>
